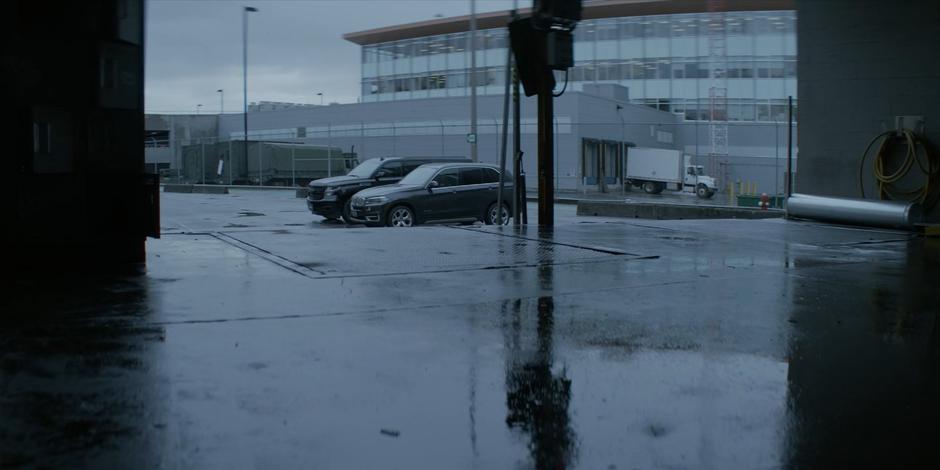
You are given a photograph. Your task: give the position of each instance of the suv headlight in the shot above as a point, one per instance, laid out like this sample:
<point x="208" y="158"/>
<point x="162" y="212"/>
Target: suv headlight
<point x="376" y="201"/>
<point x="330" y="191"/>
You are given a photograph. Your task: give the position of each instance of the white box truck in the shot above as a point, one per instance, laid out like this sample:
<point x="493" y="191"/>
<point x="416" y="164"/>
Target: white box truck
<point x="657" y="169"/>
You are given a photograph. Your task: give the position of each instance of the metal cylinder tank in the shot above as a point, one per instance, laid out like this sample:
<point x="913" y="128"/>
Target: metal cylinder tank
<point x="894" y="214"/>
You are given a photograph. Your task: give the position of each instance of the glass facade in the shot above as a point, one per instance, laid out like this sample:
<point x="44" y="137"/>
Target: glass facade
<point x="668" y="62"/>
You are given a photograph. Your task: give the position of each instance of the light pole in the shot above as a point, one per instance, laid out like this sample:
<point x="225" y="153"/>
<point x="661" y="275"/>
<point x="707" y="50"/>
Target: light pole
<point x="198" y="106"/>
<point x="473" y="79"/>
<point x="321" y="98"/>
<point x="221" y="101"/>
<point x="245" y="84"/>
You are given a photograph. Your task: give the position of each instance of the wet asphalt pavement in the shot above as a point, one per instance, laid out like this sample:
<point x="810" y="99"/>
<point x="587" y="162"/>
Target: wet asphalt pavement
<point x="259" y="337"/>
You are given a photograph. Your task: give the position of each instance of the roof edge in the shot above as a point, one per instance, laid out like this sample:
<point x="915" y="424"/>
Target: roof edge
<point x="596" y="10"/>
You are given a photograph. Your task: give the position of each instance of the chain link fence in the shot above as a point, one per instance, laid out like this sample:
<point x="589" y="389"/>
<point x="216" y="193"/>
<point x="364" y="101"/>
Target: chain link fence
<point x="589" y="157"/>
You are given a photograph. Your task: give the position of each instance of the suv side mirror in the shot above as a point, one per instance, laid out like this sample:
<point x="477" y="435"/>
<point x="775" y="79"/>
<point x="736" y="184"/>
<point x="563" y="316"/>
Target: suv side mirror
<point x="380" y="174"/>
<point x="433" y="184"/>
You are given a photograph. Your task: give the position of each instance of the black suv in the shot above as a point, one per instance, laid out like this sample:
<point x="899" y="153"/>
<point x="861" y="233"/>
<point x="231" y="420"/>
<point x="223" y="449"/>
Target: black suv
<point x="438" y="192"/>
<point x="329" y="197"/>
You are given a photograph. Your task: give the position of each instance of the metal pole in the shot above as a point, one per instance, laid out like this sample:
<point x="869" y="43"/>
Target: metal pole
<point x="293" y="168"/>
<point x="776" y="159"/>
<point x="203" y="158"/>
<point x="230" y="160"/>
<point x="473" y="79"/>
<point x="329" y="150"/>
<point x="546" y="150"/>
<point x="260" y="164"/>
<point x="245" y="84"/>
<point x="442" y="137"/>
<point x="519" y="209"/>
<point x="789" y="146"/>
<point x="221" y="101"/>
<point x="502" y="153"/>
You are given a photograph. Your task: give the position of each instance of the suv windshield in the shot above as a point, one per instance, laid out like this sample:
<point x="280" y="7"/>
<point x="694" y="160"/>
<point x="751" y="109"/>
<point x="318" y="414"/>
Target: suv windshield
<point x="419" y="176"/>
<point x="366" y="168"/>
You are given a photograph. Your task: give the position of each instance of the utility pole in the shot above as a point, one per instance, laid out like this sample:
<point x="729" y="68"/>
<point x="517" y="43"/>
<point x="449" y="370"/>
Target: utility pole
<point x="473" y="80"/>
<point x="542" y="44"/>
<point x="221" y="100"/>
<point x="546" y="151"/>
<point x="245" y="85"/>
<point x="519" y="214"/>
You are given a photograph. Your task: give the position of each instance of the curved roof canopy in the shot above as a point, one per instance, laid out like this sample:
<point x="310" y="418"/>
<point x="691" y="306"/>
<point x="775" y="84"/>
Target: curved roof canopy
<point x="591" y="10"/>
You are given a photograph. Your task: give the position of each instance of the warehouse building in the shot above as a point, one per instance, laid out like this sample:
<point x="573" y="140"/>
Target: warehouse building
<point x="713" y="84"/>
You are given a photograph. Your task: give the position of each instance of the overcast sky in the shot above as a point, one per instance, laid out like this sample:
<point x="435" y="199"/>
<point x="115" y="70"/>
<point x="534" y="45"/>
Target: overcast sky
<point x="295" y="49"/>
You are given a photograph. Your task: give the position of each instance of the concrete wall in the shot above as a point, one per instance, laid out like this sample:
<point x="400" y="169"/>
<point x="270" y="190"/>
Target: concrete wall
<point x="861" y="63"/>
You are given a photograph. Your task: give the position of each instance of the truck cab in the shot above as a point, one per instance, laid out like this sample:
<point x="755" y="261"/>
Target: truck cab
<point x="695" y="179"/>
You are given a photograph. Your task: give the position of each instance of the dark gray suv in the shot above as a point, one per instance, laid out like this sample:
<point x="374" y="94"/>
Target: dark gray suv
<point x="437" y="192"/>
<point x="329" y="197"/>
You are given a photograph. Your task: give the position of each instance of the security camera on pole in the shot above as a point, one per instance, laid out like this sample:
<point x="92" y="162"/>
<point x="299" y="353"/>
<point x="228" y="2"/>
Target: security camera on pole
<point x="543" y="43"/>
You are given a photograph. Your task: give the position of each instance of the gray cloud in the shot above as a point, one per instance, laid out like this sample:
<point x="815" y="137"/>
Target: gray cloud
<point x="295" y="48"/>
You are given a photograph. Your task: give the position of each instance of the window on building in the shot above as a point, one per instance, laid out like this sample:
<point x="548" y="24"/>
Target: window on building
<point x="404" y="84"/>
<point x="588" y="30"/>
<point x="684" y="25"/>
<point x="437" y="44"/>
<point x="789" y="69"/>
<point x="421" y="82"/>
<point x="647" y="28"/>
<point x="420" y="47"/>
<point x="590" y="73"/>
<point x="437" y="81"/>
<point x="386" y="52"/>
<point x="458" y="42"/>
<point x="456" y="79"/>
<point x="763" y="110"/>
<point x="607" y="30"/>
<point x="663" y="28"/>
<point x="402" y="49"/>
<point x="778" y="110"/>
<point x="629" y="28"/>
<point x="607" y="71"/>
<point x="663" y="69"/>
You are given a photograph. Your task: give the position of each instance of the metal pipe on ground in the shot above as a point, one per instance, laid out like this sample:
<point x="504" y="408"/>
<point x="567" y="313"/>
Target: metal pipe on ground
<point x="892" y="214"/>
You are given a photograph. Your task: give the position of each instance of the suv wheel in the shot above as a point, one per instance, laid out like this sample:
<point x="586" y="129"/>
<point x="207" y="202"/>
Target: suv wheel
<point x="491" y="215"/>
<point x="401" y="216"/>
<point x="347" y="212"/>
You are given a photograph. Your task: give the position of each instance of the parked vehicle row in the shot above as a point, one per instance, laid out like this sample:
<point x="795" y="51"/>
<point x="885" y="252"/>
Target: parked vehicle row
<point x="403" y="192"/>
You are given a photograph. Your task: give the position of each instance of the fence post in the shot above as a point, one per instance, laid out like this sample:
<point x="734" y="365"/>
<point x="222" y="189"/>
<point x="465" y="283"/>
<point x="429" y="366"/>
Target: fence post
<point x="203" y="156"/>
<point x="230" y="160"/>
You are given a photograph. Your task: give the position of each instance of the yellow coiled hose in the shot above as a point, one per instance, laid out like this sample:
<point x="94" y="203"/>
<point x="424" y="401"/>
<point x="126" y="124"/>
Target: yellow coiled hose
<point x="927" y="194"/>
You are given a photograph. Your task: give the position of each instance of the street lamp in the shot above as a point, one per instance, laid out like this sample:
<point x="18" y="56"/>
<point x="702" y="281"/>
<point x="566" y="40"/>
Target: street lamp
<point x="245" y="83"/>
<point x="321" y="98"/>
<point x="221" y="101"/>
<point x="198" y="106"/>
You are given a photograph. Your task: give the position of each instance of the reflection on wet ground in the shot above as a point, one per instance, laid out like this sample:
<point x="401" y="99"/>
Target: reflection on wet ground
<point x="613" y="344"/>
